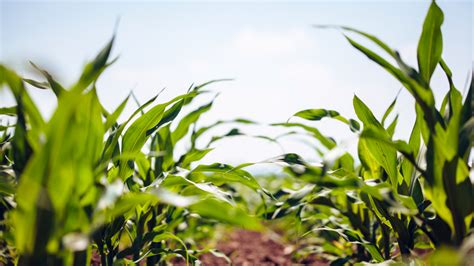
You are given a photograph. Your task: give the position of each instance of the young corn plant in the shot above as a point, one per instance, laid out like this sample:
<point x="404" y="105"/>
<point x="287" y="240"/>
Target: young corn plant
<point x="83" y="186"/>
<point x="414" y="192"/>
<point x="446" y="133"/>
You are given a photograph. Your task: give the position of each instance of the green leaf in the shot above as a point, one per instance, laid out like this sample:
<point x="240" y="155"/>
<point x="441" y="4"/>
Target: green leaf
<point x="192" y="190"/>
<point x="371" y="37"/>
<point x="423" y="96"/>
<point x="291" y="159"/>
<point x="466" y="133"/>
<point x="112" y="142"/>
<point x="220" y="173"/>
<point x="6" y="186"/>
<point x="200" y="86"/>
<point x="430" y="45"/>
<point x="53" y="84"/>
<point x="21" y="147"/>
<point x="192" y="156"/>
<point x="125" y="204"/>
<point x="37" y="84"/>
<point x="224" y="212"/>
<point x="389" y="109"/>
<point x="199" y="132"/>
<point x="365" y="114"/>
<point x="392" y="126"/>
<point x="407" y="166"/>
<point x="380" y="135"/>
<point x="58" y="175"/>
<point x="165" y="146"/>
<point x="141" y="129"/>
<point x="353" y="237"/>
<point x="10" y="111"/>
<point x="93" y="69"/>
<point x="318" y="114"/>
<point x="187" y="121"/>
<point x="325" y="141"/>
<point x="371" y="168"/>
<point x="380" y="150"/>
<point x="16" y="86"/>
<point x="112" y="118"/>
<point x="232" y="133"/>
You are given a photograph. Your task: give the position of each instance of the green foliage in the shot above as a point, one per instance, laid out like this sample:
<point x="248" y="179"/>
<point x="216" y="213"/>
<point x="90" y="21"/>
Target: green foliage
<point x="83" y="183"/>
<point x="411" y="192"/>
<point x="87" y="183"/>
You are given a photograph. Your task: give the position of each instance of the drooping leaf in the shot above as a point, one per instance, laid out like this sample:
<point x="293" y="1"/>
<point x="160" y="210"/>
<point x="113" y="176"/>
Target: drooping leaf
<point x="219" y="173"/>
<point x="224" y="212"/>
<point x="325" y="141"/>
<point x="37" y="84"/>
<point x="52" y="83"/>
<point x="318" y="114"/>
<point x="421" y="94"/>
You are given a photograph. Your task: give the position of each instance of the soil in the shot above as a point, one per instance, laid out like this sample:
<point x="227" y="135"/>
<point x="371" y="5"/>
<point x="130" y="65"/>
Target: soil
<point x="248" y="248"/>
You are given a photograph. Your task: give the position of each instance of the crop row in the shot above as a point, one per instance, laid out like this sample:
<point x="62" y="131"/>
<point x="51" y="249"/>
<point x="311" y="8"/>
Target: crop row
<point x="84" y="184"/>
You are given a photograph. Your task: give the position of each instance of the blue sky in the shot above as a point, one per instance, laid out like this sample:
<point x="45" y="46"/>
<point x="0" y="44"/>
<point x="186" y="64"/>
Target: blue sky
<point x="279" y="62"/>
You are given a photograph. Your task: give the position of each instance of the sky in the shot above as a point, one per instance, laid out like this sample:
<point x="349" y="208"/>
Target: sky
<point x="279" y="62"/>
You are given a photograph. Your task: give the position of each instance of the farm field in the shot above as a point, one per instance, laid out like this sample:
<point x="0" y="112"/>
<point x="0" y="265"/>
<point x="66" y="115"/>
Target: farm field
<point x="91" y="185"/>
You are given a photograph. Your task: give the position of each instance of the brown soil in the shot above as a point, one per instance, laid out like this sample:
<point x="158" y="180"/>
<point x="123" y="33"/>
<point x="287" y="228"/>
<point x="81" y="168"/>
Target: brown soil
<point x="245" y="248"/>
<point x="248" y="248"/>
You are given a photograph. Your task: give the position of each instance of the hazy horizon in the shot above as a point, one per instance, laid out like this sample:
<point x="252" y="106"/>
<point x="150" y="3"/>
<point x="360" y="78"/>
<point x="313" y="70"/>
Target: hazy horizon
<point x="279" y="62"/>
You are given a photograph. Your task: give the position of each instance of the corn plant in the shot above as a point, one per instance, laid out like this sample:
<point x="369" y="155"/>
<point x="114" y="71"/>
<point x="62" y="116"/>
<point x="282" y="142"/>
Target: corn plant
<point x="446" y="132"/>
<point x="83" y="185"/>
<point x="414" y="192"/>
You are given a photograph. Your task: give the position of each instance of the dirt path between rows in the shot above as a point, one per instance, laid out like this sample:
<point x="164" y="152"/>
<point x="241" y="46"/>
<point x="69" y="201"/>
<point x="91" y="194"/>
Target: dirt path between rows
<point x="248" y="248"/>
